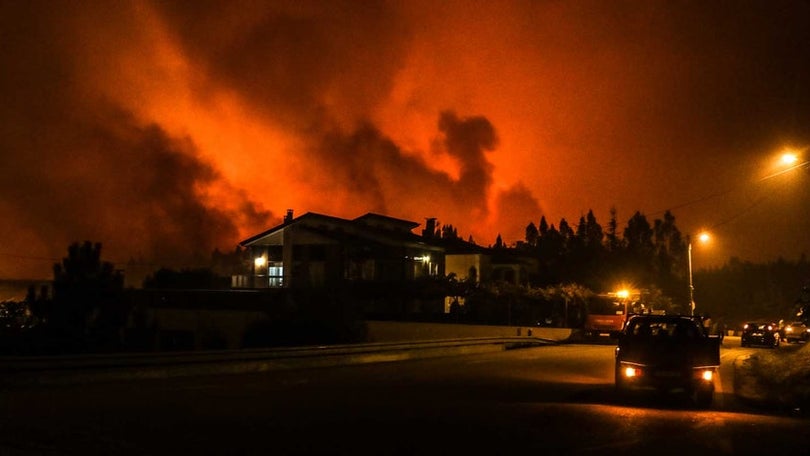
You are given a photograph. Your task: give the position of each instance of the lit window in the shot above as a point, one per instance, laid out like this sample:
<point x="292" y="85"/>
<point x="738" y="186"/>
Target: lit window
<point x="275" y="274"/>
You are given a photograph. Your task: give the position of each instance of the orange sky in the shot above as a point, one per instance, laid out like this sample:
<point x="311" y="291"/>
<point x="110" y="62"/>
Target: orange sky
<point x="164" y="130"/>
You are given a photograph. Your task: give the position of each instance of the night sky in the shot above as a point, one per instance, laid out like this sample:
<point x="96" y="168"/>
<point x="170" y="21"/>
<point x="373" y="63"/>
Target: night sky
<point x="167" y="129"/>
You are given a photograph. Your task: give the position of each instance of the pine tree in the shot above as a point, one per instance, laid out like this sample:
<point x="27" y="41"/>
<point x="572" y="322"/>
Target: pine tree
<point x="543" y="228"/>
<point x="532" y="234"/>
<point x="86" y="297"/>
<point x="593" y="231"/>
<point x="613" y="242"/>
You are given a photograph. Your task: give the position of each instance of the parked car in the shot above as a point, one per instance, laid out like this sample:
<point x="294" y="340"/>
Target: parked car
<point x="797" y="332"/>
<point x="762" y="334"/>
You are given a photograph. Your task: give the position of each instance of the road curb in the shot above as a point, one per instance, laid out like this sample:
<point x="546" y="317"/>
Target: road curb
<point x="749" y="389"/>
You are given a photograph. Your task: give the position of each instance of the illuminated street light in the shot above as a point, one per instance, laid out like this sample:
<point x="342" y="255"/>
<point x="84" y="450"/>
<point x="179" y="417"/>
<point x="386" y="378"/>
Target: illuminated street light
<point x="703" y="237"/>
<point x="788" y="161"/>
<point x="789" y="158"/>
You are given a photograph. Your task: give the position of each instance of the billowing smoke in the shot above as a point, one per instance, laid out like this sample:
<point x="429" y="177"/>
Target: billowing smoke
<point x="299" y="63"/>
<point x="132" y="187"/>
<point x="78" y="167"/>
<point x="370" y="171"/>
<point x="167" y="129"/>
<point x="514" y="205"/>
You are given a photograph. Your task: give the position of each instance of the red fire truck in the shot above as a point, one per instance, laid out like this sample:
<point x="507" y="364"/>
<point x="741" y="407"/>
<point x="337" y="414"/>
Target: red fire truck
<point x="607" y="312"/>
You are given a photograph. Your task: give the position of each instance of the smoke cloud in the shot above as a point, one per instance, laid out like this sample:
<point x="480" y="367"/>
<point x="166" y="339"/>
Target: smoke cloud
<point x="167" y="129"/>
<point x="79" y="167"/>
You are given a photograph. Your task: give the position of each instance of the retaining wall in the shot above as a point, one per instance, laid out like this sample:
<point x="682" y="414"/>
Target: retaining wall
<point x="394" y="331"/>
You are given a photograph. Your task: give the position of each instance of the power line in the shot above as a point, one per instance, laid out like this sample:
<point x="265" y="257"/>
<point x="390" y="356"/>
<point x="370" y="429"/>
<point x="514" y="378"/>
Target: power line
<point x="787" y="170"/>
<point x="739" y="214"/>
<point x="728" y="190"/>
<point x="28" y="257"/>
<point x="58" y="260"/>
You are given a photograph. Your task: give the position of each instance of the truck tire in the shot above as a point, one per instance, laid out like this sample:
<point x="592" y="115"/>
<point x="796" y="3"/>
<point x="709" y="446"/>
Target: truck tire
<point x="703" y="397"/>
<point x="618" y="381"/>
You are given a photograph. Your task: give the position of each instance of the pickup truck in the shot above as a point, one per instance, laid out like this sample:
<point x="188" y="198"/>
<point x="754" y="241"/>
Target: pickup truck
<point x="668" y="353"/>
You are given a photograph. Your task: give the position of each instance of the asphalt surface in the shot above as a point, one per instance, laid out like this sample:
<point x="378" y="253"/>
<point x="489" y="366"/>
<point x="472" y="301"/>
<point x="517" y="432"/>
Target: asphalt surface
<point x="550" y="400"/>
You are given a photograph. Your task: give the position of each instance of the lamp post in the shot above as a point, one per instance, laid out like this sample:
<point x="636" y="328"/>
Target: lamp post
<point x="702" y="237"/>
<point x="691" y="285"/>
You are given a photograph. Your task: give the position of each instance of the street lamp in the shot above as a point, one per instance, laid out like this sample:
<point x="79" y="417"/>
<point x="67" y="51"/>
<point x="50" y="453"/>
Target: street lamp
<point x="789" y="160"/>
<point x="703" y="237"/>
<point x="623" y="294"/>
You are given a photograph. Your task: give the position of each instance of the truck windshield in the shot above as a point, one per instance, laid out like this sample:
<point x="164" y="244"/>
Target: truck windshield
<point x="606" y="305"/>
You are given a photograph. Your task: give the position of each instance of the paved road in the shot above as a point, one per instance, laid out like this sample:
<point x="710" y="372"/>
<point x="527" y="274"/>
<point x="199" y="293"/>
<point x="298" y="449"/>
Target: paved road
<point x="548" y="400"/>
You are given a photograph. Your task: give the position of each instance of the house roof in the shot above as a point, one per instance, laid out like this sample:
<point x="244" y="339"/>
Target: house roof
<point x="377" y="219"/>
<point x="459" y="246"/>
<point x="307" y="216"/>
<point x="379" y="228"/>
<point x="370" y="236"/>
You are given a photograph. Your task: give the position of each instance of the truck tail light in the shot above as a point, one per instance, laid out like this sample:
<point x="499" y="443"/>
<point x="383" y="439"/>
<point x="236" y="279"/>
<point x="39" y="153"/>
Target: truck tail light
<point x="707" y="375"/>
<point x="631" y="372"/>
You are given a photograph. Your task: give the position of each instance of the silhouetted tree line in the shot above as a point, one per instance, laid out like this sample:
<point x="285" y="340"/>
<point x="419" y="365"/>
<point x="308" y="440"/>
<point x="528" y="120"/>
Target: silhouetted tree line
<point x="192" y="279"/>
<point x="648" y="256"/>
<point x="644" y="254"/>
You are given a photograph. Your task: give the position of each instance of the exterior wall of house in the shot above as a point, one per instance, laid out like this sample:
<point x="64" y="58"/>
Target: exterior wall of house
<point x="319" y="251"/>
<point x="307" y="259"/>
<point x="460" y="264"/>
<point x="510" y="273"/>
<point x="395" y="331"/>
<point x="202" y="329"/>
<point x="195" y="319"/>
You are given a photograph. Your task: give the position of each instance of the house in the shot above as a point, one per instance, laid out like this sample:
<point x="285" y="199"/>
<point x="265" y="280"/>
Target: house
<point x="470" y="262"/>
<point x="465" y="260"/>
<point x="318" y="271"/>
<point x="511" y="265"/>
<point x="316" y="250"/>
